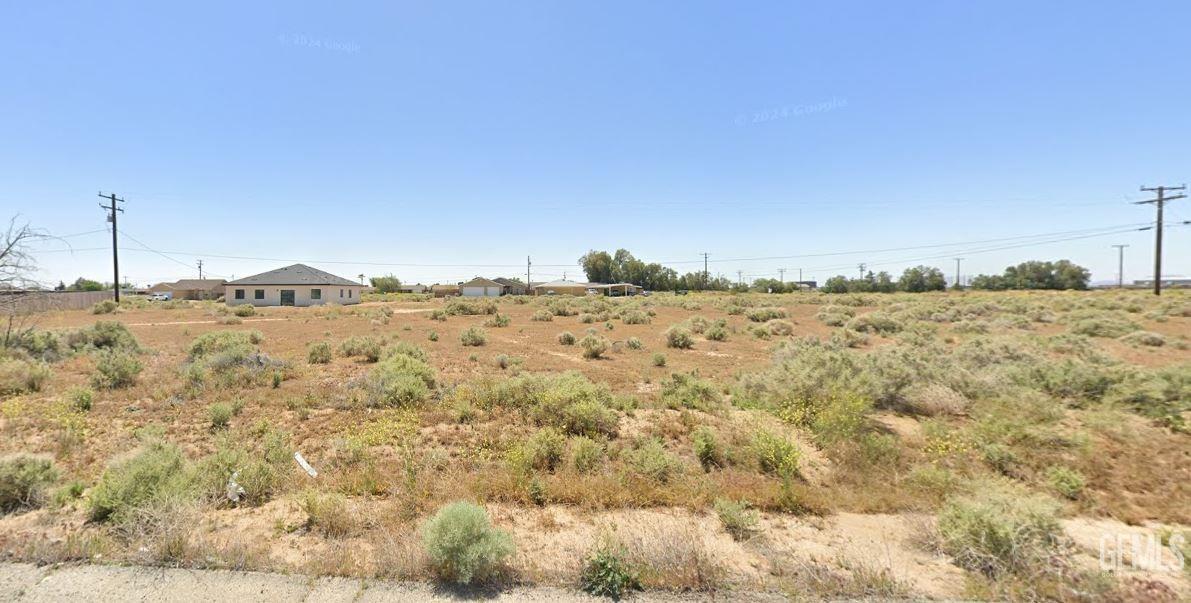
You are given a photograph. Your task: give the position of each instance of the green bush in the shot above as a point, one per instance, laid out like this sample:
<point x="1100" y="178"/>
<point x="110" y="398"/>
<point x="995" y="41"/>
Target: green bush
<point x="1000" y="529"/>
<point x="215" y="342"/>
<point x="764" y="314"/>
<point x="875" y="322"/>
<point x="653" y="461"/>
<point x="679" y="337"/>
<point x="779" y="328"/>
<point x="1066" y="481"/>
<point x="106" y="306"/>
<point x="498" y="320"/>
<point x="634" y="343"/>
<point x="635" y="317"/>
<point x="104" y="334"/>
<point x="566" y="338"/>
<point x="1103" y="326"/>
<point x="319" y="353"/>
<point x="261" y="464"/>
<point x="327" y="513"/>
<point x="221" y="415"/>
<point x="658" y="359"/>
<point x="116" y="369"/>
<point x="80" y="398"/>
<point x="243" y="310"/>
<point x="19" y="376"/>
<point x="542" y="316"/>
<point x="587" y="455"/>
<point x="739" y="521"/>
<point x="25" y="482"/>
<point x="542" y="451"/>
<point x="155" y="476"/>
<point x="367" y="347"/>
<point x="593" y="346"/>
<point x="716" y="333"/>
<point x="400" y="380"/>
<point x="462" y="545"/>
<point x="687" y="390"/>
<point x="1146" y="338"/>
<point x="473" y="336"/>
<point x="608" y="574"/>
<point x="776" y="455"/>
<point x="708" y="449"/>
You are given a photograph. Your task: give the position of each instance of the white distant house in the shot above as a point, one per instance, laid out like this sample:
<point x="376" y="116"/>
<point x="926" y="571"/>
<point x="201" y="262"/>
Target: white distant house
<point x="481" y="287"/>
<point x="297" y="285"/>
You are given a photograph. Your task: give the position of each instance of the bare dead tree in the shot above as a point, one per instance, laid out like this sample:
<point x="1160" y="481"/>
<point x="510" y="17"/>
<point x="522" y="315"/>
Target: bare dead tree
<point x="17" y="267"/>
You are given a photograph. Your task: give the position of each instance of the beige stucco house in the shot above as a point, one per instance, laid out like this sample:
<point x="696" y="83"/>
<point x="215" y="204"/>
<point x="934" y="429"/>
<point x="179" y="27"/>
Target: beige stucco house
<point x="297" y="285"/>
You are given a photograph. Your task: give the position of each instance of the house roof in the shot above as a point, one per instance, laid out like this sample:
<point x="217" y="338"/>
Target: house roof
<point x="508" y="282"/>
<point x="561" y="283"/>
<point x="194" y="283"/>
<point x="162" y="287"/>
<point x="480" y="281"/>
<point x="297" y="274"/>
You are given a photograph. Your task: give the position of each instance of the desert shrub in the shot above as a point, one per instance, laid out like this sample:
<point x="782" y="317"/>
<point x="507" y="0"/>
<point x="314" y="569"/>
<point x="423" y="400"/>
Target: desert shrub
<point x="587" y="455"/>
<point x="154" y="477"/>
<point x="716" y="332"/>
<point x="587" y="318"/>
<point x="460" y="307"/>
<point x="433" y="336"/>
<point x="259" y="464"/>
<point x="1000" y="529"/>
<point x="739" y="521"/>
<point x="1066" y="481"/>
<point x="764" y="314"/>
<point x="473" y="336"/>
<point x="653" y="461"/>
<point x="775" y="454"/>
<point x="934" y="399"/>
<point x="708" y="449"/>
<point x="327" y="513"/>
<point x="80" y="398"/>
<point x="399" y="380"/>
<point x="244" y="310"/>
<point x="106" y="306"/>
<point x="875" y="322"/>
<point x="568" y="401"/>
<point x="1103" y="326"/>
<point x="566" y="338"/>
<point x="835" y="316"/>
<point x="367" y="347"/>
<point x="635" y="317"/>
<point x="658" y="359"/>
<point x="462" y="545"/>
<point x="221" y="415"/>
<point x="215" y="342"/>
<point x="18" y="376"/>
<point x="116" y="369"/>
<point x="542" y="316"/>
<point x="1146" y="338"/>
<point x="633" y="343"/>
<point x="104" y="334"/>
<point x="438" y="314"/>
<point x="593" y="346"/>
<point x="688" y="390"/>
<point x="319" y="353"/>
<point x="679" y="337"/>
<point x="229" y="320"/>
<point x="779" y="328"/>
<point x="403" y="348"/>
<point x="542" y="451"/>
<point x="498" y="320"/>
<point x="24" y="482"/>
<point x="607" y="573"/>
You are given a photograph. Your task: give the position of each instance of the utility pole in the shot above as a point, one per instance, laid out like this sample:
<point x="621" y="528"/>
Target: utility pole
<point x="200" y="265"/>
<point x="1120" y="266"/>
<point x="861" y="265"/>
<point x="527" y="265"/>
<point x="112" y="211"/>
<point x="781" y="276"/>
<point x="1159" y="202"/>
<point x="800" y="276"/>
<point x="739" y="277"/>
<point x="958" y="283"/>
<point x="361" y="277"/>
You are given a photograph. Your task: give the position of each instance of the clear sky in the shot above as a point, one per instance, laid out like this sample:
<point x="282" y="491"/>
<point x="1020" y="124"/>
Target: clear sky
<point x="462" y="134"/>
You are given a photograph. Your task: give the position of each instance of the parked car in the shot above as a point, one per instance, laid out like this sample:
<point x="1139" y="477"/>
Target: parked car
<point x="159" y="297"/>
<point x="681" y="292"/>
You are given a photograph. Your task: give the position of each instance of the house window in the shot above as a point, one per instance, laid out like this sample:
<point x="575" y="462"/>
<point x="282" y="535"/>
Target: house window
<point x="239" y="294"/>
<point x="258" y="294"/>
<point x="316" y="294"/>
<point x="349" y="293"/>
<point x="341" y="293"/>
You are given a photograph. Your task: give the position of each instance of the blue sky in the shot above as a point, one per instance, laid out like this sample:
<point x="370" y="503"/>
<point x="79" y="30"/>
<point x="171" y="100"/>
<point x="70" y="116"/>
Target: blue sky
<point x="469" y="134"/>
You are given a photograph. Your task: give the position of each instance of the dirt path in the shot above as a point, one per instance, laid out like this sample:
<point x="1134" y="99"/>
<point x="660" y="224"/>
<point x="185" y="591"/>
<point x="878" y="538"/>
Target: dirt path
<point x="29" y="583"/>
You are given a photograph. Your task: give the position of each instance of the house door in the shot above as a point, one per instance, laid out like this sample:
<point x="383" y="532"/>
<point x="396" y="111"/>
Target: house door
<point x="287" y="297"/>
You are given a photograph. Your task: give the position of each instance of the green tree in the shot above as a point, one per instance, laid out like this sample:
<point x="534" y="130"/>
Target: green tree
<point x="597" y="265"/>
<point x="385" y="284"/>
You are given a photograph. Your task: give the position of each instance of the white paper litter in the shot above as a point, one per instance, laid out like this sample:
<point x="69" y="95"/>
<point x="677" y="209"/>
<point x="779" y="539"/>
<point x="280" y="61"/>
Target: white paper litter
<point x="234" y="489"/>
<point x="302" y="462"/>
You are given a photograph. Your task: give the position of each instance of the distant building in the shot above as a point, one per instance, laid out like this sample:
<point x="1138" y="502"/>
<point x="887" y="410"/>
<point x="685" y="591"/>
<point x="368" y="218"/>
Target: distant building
<point x="481" y="287"/>
<point x="1166" y="282"/>
<point x="296" y="285"/>
<point x="192" y="288"/>
<point x="565" y="287"/>
<point x="444" y="290"/>
<point x="510" y="286"/>
<point x="416" y="288"/>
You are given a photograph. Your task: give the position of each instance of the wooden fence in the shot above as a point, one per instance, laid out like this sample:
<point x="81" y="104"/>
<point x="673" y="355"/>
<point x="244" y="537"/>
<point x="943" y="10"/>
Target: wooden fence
<point x="16" y="302"/>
